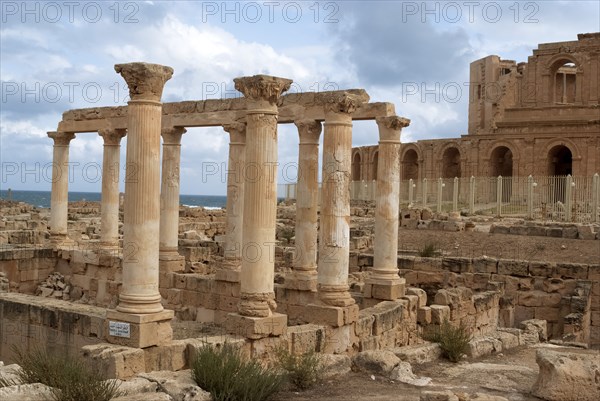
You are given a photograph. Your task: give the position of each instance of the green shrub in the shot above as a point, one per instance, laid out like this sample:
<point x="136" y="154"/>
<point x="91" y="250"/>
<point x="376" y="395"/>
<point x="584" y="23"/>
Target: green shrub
<point x="302" y="371"/>
<point x="71" y="379"/>
<point x="454" y="341"/>
<point x="223" y="372"/>
<point x="428" y="250"/>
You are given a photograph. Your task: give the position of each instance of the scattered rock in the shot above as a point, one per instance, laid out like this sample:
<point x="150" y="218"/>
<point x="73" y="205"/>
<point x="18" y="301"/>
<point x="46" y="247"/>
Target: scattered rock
<point x="335" y="365"/>
<point x="404" y="374"/>
<point x="380" y="362"/>
<point x="26" y="392"/>
<point x="179" y="385"/>
<point x="567" y="376"/>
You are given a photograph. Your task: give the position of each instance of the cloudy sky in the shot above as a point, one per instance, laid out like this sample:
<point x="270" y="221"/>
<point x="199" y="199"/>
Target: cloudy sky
<point x="56" y="56"/>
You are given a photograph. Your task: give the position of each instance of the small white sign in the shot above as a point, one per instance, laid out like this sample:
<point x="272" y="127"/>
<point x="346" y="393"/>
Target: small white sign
<point x="119" y="329"/>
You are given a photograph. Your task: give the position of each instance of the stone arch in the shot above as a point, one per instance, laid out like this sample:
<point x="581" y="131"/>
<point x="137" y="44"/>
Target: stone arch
<point x="575" y="154"/>
<point x="451" y="160"/>
<point x="560" y="160"/>
<point x="501" y="161"/>
<point x="563" y="70"/>
<point x="356" y="165"/>
<point x="410" y="162"/>
<point x="374" y="162"/>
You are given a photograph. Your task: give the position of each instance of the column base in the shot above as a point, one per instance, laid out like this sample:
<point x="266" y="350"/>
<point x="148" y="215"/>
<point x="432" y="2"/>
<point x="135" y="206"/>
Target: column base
<point x="335" y="316"/>
<point x="170" y="261"/>
<point x="60" y="240"/>
<point x="301" y="281"/>
<point x="255" y="328"/>
<point x="386" y="290"/>
<point x="138" y="331"/>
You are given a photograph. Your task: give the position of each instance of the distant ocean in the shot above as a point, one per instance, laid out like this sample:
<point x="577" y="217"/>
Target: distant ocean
<point x="42" y="198"/>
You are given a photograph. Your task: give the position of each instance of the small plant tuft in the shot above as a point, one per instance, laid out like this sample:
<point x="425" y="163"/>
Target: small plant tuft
<point x="454" y="341"/>
<point x="71" y="379"/>
<point x="223" y="372"/>
<point x="428" y="251"/>
<point x="302" y="371"/>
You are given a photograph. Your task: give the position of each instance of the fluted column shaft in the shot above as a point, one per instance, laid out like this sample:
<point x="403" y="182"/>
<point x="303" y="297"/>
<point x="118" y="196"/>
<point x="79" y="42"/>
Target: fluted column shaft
<point x="235" y="195"/>
<point x="334" y="247"/>
<point x="139" y="293"/>
<point x="260" y="194"/>
<point x="304" y="275"/>
<point x="59" y="197"/>
<point x="169" y="192"/>
<point x="109" y="205"/>
<point x="387" y="199"/>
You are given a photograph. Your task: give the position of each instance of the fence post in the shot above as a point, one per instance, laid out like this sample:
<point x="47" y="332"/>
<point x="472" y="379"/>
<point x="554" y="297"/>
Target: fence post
<point x="424" y="192"/>
<point x="455" y="195"/>
<point x="595" y="197"/>
<point x="530" y="197"/>
<point x="472" y="195"/>
<point x="439" y="194"/>
<point x="569" y="197"/>
<point x="410" y="191"/>
<point x="499" y="196"/>
<point x="288" y="188"/>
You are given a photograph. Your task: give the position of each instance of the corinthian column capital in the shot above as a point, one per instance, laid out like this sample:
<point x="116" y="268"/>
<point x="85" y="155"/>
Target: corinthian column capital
<point x="145" y="81"/>
<point x="61" y="138"/>
<point x="172" y="135"/>
<point x="309" y="131"/>
<point x="262" y="87"/>
<point x="112" y="136"/>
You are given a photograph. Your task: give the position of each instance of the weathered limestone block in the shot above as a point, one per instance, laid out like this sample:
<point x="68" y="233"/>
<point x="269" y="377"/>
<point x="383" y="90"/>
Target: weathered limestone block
<point x="387" y="314"/>
<point x="439" y="313"/>
<point x="378" y="362"/>
<point x="484" y="346"/>
<point x="567" y="376"/>
<point x="537" y="330"/>
<point x="335" y="365"/>
<point x="513" y="267"/>
<point x="116" y="361"/>
<point x="420" y="353"/>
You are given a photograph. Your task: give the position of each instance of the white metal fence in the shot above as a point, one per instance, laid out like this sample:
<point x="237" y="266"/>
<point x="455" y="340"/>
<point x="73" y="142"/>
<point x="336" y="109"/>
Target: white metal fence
<point x="557" y="198"/>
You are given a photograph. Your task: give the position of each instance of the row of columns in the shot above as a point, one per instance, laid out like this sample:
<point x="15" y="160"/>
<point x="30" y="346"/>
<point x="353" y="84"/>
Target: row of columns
<point x="152" y="205"/>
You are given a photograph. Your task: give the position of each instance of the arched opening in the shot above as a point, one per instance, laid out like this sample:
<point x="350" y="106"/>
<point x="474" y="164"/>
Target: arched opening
<point x="502" y="162"/>
<point x="356" y="161"/>
<point x="560" y="161"/>
<point x="451" y="163"/>
<point x="410" y="165"/>
<point x="374" y="169"/>
<point x="565" y="82"/>
<point x="560" y="164"/>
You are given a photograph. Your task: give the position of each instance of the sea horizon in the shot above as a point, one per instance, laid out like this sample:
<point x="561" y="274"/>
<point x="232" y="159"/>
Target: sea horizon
<point x="41" y="199"/>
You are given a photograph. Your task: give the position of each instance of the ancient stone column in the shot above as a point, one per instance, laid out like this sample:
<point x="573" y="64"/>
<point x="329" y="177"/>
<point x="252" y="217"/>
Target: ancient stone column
<point x="170" y="259"/>
<point x="384" y="282"/>
<point x="109" y="206"/>
<point x="232" y="263"/>
<point x="139" y="300"/>
<point x="335" y="306"/>
<point x="59" y="198"/>
<point x="260" y="208"/>
<point x="304" y="275"/>
<point x="334" y="247"/>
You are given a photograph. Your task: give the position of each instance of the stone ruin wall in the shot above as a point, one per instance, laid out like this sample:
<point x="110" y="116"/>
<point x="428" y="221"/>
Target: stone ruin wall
<point x="512" y="106"/>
